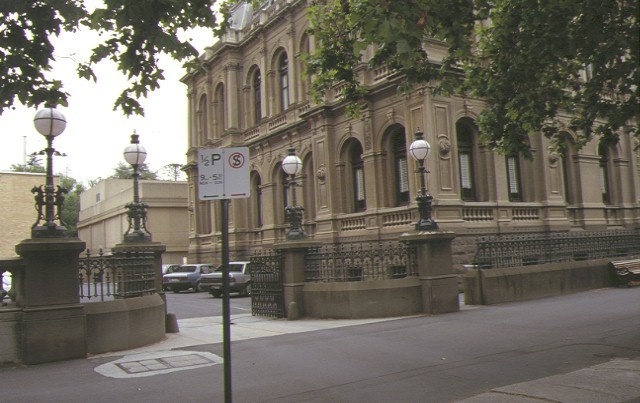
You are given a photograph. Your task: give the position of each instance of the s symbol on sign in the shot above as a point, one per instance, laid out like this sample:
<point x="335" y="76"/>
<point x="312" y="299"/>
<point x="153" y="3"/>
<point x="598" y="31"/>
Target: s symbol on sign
<point x="236" y="160"/>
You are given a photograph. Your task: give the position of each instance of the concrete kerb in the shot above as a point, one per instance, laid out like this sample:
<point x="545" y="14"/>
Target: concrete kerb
<point x="208" y="330"/>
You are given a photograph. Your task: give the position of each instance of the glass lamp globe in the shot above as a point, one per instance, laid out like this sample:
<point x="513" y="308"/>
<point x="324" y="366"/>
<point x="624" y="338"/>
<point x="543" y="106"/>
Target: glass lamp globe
<point x="49" y="122"/>
<point x="292" y="165"/>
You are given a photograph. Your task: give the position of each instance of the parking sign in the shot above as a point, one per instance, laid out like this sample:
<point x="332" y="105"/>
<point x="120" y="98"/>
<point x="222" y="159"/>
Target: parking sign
<point x="223" y="173"/>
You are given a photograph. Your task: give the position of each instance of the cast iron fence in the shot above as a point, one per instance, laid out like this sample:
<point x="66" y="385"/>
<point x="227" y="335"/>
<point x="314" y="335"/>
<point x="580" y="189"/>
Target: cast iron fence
<point x="360" y="261"/>
<point x="267" y="290"/>
<point x="104" y="277"/>
<point x="541" y="248"/>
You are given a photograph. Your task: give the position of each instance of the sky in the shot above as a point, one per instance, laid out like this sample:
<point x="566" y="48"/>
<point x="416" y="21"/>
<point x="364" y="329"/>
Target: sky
<point x="96" y="135"/>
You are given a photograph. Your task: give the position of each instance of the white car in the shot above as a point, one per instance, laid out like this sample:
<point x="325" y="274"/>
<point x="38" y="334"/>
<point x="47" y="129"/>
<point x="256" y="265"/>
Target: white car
<point x="185" y="277"/>
<point x="239" y="280"/>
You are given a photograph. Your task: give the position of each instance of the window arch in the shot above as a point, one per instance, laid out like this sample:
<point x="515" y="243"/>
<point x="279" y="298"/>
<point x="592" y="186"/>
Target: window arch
<point x="256" y="200"/>
<point x="467" y="159"/>
<point x="305" y="79"/>
<point x="202" y="120"/>
<point x="283" y="81"/>
<point x="284" y="188"/>
<point x="256" y="96"/>
<point x="605" y="172"/>
<point x="514" y="183"/>
<point x="397" y="166"/>
<point x="354" y="175"/>
<point x="568" y="168"/>
<point x="307" y="187"/>
<point x="219" y="110"/>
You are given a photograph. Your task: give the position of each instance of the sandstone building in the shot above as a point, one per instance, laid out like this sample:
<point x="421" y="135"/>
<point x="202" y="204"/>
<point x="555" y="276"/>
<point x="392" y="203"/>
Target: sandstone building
<point x="358" y="180"/>
<point x="17" y="211"/>
<point x="103" y="217"/>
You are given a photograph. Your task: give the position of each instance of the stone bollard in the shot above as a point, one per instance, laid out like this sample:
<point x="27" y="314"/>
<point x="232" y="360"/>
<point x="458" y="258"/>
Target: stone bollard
<point x="435" y="270"/>
<point x="53" y="320"/>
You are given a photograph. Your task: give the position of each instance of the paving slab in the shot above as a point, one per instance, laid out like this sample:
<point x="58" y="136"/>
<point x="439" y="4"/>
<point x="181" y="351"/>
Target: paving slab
<point x="614" y="381"/>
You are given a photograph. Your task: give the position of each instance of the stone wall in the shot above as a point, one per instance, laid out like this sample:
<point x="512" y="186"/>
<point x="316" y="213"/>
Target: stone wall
<point x="363" y="299"/>
<point x="496" y="286"/>
<point x="124" y="324"/>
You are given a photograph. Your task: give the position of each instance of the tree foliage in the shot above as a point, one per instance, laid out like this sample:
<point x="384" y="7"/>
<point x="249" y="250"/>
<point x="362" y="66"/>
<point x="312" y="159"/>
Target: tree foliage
<point x="125" y="171"/>
<point x="532" y="61"/>
<point x="33" y="165"/>
<point x="134" y="33"/>
<point x="172" y="172"/>
<point x="71" y="206"/>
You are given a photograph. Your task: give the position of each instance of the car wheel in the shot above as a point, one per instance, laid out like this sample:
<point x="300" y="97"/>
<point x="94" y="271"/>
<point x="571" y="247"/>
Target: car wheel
<point x="247" y="290"/>
<point x="175" y="290"/>
<point x="215" y="294"/>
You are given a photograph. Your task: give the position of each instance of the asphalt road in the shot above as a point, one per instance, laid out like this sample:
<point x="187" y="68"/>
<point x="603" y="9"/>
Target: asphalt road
<point x="439" y="358"/>
<point x="189" y="304"/>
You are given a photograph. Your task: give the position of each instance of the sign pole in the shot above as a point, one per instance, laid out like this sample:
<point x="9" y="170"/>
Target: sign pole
<point x="226" y="317"/>
<point x="223" y="174"/>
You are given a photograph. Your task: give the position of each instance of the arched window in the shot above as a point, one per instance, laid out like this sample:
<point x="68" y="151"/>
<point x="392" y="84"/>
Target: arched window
<point x="283" y="79"/>
<point x="401" y="168"/>
<point x="256" y="93"/>
<point x="568" y="169"/>
<point x="305" y="79"/>
<point x="466" y="160"/>
<point x="202" y="120"/>
<point x="357" y="177"/>
<point x="513" y="178"/>
<point x="256" y="200"/>
<point x="219" y="109"/>
<point x="286" y="200"/>
<point x="605" y="188"/>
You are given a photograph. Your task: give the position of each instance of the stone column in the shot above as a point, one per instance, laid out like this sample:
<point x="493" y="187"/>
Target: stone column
<point x="435" y="270"/>
<point x="53" y="320"/>
<point x="293" y="276"/>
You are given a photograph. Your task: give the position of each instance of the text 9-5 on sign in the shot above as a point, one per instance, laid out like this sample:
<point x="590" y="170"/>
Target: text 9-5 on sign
<point x="223" y="173"/>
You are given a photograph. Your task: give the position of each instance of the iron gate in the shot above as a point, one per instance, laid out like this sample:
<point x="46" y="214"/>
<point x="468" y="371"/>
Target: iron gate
<point x="267" y="291"/>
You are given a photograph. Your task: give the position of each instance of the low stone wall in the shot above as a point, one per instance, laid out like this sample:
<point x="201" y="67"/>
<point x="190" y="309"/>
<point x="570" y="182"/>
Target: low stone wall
<point x="10" y="323"/>
<point x="124" y="324"/>
<point x="495" y="286"/>
<point x="363" y="299"/>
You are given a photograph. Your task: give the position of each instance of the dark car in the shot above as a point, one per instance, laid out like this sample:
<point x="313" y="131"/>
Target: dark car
<point x="185" y="277"/>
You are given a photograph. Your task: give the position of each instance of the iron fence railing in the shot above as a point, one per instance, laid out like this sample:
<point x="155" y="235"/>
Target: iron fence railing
<point x="528" y="249"/>
<point x="267" y="290"/>
<point x="104" y="277"/>
<point x="360" y="261"/>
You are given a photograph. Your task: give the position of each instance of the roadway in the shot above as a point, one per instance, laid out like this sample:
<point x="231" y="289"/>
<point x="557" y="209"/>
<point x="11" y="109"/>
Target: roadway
<point x="581" y="347"/>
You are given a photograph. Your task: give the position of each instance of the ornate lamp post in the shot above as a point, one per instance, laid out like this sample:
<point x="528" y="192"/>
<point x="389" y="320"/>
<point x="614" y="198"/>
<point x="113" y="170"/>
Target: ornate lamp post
<point x="419" y="150"/>
<point x="135" y="154"/>
<point x="50" y="123"/>
<point x="292" y="165"/>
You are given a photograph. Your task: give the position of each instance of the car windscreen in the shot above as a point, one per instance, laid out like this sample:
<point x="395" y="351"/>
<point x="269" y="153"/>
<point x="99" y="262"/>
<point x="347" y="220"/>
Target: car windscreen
<point x="186" y="269"/>
<point x="233" y="267"/>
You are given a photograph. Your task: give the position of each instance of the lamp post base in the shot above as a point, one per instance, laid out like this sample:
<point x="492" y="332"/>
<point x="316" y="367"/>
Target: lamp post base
<point x="49" y="231"/>
<point x="294" y="216"/>
<point x="426" y="224"/>
<point x="295" y="234"/>
<point x="137" y="237"/>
